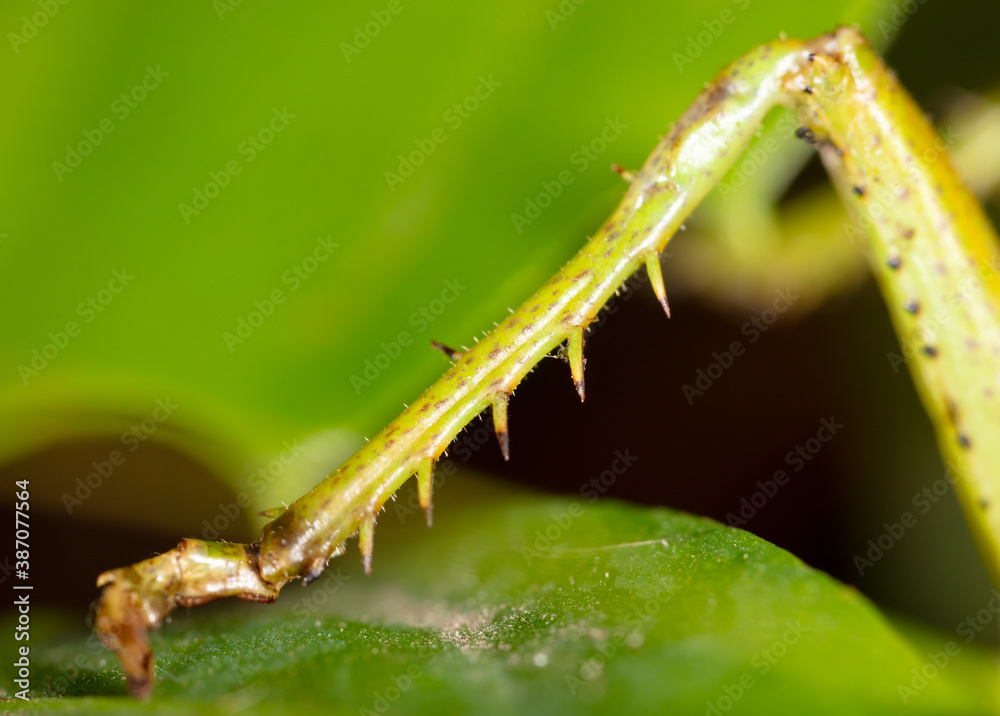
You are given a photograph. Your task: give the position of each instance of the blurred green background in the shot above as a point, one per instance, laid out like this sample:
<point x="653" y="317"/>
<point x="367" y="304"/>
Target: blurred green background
<point x="212" y="240"/>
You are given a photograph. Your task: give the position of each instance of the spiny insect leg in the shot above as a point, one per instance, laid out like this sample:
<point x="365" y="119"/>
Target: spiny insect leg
<point x="138" y="598"/>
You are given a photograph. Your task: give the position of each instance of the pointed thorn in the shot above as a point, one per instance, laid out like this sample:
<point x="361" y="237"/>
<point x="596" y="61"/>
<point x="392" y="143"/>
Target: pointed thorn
<point x="656" y="278"/>
<point x="452" y="354"/>
<point x="623" y="172"/>
<point x="425" y="474"/>
<point x="576" y="361"/>
<point x="273" y="512"/>
<point x="500" y="424"/>
<point x="366" y="541"/>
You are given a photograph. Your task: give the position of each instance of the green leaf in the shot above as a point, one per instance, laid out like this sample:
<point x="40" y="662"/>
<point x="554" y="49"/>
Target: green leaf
<point x="521" y="604"/>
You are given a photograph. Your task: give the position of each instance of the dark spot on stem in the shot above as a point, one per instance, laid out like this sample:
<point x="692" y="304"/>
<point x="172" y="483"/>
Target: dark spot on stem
<point x="859" y="190"/>
<point x="912" y="306"/>
<point x="894" y="262"/>
<point x="806" y="135"/>
<point x="964" y="441"/>
<point x="930" y="351"/>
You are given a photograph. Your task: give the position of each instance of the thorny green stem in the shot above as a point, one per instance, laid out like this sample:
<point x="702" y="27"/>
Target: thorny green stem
<point x="926" y="236"/>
